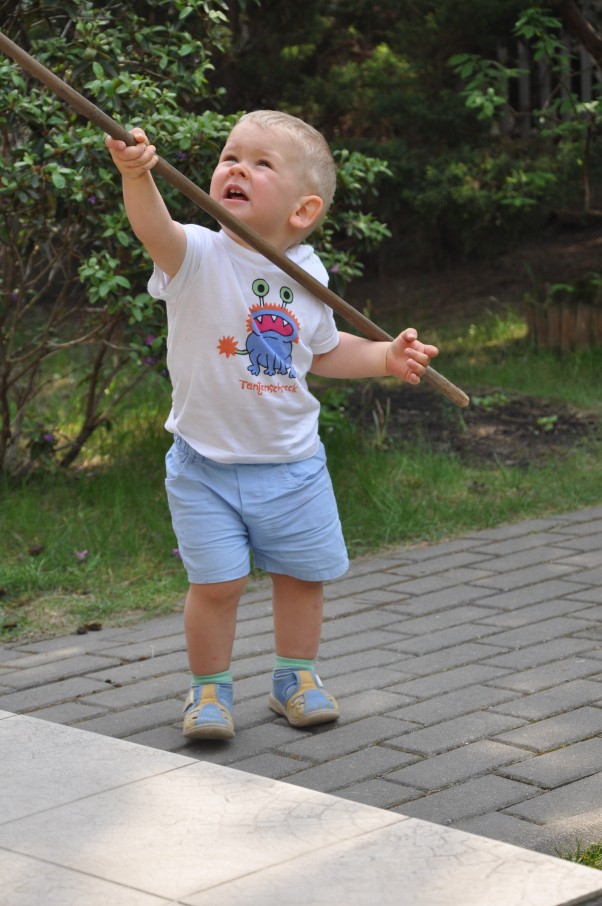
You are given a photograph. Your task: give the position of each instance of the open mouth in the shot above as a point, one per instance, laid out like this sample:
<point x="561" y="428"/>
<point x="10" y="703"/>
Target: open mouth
<point x="274" y="324"/>
<point x="233" y="193"/>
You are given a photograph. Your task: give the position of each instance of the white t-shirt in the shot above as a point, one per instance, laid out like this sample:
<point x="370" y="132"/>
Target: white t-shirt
<point x="242" y="335"/>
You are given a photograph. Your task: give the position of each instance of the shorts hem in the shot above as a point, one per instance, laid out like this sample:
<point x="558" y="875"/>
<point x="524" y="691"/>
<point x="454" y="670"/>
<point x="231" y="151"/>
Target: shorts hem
<point x="212" y="580"/>
<point x="314" y="575"/>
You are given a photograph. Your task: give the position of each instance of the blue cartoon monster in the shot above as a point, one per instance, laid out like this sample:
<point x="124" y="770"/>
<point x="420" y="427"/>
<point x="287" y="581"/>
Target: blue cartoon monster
<point x="272" y="331"/>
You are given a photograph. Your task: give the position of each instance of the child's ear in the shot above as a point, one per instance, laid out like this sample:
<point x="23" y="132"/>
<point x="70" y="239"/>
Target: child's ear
<point x="309" y="210"/>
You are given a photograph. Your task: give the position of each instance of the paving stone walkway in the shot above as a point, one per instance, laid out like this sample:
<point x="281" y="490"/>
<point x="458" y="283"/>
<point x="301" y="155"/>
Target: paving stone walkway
<point x="469" y="675"/>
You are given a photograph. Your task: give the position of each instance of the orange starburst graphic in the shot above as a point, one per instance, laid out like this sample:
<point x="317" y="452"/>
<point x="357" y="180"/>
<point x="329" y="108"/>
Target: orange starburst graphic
<point x="227" y="346"/>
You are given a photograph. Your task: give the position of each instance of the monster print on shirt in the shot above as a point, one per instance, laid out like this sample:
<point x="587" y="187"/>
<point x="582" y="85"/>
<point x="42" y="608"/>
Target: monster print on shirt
<point x="272" y="329"/>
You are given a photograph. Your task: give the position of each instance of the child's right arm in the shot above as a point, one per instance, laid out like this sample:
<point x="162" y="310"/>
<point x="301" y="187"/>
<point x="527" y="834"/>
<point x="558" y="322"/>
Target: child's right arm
<point x="162" y="237"/>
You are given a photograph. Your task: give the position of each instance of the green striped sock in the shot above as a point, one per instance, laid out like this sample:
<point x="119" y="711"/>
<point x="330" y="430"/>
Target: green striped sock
<point x="203" y="679"/>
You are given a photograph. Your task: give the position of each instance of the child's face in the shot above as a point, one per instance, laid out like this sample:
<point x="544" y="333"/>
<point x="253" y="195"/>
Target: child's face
<point x="258" y="181"/>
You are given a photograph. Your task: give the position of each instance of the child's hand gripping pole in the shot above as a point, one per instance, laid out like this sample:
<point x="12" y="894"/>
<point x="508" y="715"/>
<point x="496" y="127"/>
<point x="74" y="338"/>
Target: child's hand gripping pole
<point x="91" y="112"/>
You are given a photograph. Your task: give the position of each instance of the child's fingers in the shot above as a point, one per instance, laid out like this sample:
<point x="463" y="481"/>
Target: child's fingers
<point x="139" y="134"/>
<point x="117" y="144"/>
<point x="132" y="156"/>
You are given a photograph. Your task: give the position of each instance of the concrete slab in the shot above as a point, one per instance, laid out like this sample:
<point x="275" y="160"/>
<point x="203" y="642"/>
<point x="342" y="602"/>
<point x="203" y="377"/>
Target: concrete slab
<point x="86" y="818"/>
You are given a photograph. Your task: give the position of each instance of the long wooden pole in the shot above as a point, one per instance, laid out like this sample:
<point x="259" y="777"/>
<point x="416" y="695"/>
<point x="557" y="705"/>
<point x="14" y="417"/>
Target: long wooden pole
<point x="91" y="112"/>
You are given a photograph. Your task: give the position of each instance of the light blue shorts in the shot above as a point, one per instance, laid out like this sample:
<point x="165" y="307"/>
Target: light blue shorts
<point x="285" y="513"/>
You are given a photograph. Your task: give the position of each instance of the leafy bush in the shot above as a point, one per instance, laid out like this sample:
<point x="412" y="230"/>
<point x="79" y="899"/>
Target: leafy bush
<point x="72" y="276"/>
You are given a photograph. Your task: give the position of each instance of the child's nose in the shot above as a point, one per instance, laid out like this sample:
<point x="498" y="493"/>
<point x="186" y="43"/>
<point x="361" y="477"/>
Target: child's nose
<point x="238" y="167"/>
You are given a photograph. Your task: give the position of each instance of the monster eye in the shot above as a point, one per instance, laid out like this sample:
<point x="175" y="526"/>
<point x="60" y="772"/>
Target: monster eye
<point x="260" y="288"/>
<point x="286" y="295"/>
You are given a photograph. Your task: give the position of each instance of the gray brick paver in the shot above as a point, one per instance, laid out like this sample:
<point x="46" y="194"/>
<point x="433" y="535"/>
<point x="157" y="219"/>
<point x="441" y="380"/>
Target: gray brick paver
<point x="521" y="559"/>
<point x="586" y="527"/>
<point x="353" y="681"/>
<point x="445" y="619"/>
<point x="57" y="670"/>
<point x="371" y="702"/>
<point x="469" y="674"/>
<point x="543" y="653"/>
<point x="379" y="793"/>
<point x="270" y="764"/>
<point x="454" y="656"/>
<point x="359" y="642"/>
<point x="585" y="559"/>
<point x="535" y="613"/>
<point x="522" y="543"/>
<point x="539" y="705"/>
<point x="544" y="735"/>
<point x="445" y="563"/>
<point x="445" y="638"/>
<point x="140" y="669"/>
<point x="86" y="643"/>
<point x="500" y="826"/>
<point x="342" y="627"/>
<point x="454" y="704"/>
<point x="583" y="610"/>
<point x="147" y="648"/>
<point x="561" y="766"/>
<point x="142" y="692"/>
<point x="564" y="802"/>
<point x="68" y="712"/>
<point x="537" y="632"/>
<point x="324" y="745"/>
<point x="437" y="551"/>
<point x="548" y="675"/>
<point x="518" y="578"/>
<point x="121" y="724"/>
<point x="459" y="764"/>
<point x="349" y="769"/>
<point x="587" y="577"/>
<point x="440" y="682"/>
<point x="27" y="700"/>
<point x="443" y="598"/>
<point x="249" y="743"/>
<point x="355" y="585"/>
<point x="593" y="594"/>
<point x="466" y="800"/>
<point x="548" y="590"/>
<point x="363" y="660"/>
<point x="451" y="734"/>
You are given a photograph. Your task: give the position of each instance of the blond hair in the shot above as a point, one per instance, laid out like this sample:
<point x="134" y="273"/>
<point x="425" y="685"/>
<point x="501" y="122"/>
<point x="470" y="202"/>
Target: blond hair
<point x="318" y="169"/>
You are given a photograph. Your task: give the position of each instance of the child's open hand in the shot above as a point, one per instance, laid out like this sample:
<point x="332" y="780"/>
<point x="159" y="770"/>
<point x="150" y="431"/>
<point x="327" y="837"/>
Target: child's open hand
<point x="407" y="358"/>
<point x="132" y="161"/>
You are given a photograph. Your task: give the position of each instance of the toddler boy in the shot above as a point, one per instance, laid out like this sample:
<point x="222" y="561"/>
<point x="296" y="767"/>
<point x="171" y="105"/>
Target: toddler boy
<point x="247" y="471"/>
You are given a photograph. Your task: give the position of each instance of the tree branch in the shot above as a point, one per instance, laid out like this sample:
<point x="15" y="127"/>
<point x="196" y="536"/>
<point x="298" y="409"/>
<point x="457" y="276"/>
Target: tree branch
<point x="580" y="27"/>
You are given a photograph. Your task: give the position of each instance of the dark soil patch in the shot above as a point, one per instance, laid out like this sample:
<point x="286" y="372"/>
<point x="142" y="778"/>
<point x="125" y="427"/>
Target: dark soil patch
<point x="496" y="429"/>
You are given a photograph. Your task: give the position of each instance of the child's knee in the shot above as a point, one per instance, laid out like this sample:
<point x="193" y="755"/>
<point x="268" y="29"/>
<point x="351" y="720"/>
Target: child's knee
<point x="217" y="593"/>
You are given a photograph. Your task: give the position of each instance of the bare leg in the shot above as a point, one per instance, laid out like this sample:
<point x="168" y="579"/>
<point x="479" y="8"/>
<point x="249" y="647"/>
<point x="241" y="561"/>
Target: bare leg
<point x="298" y="607"/>
<point x="210" y="624"/>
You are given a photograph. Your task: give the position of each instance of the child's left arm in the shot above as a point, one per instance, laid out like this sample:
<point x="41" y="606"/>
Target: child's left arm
<point x="356" y="357"/>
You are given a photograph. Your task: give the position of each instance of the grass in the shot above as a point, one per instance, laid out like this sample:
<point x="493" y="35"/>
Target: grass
<point x="590" y="856"/>
<point x="495" y="353"/>
<point x="95" y="544"/>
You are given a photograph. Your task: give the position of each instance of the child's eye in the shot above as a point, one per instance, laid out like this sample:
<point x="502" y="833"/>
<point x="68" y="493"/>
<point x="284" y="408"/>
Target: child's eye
<point x="264" y="163"/>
